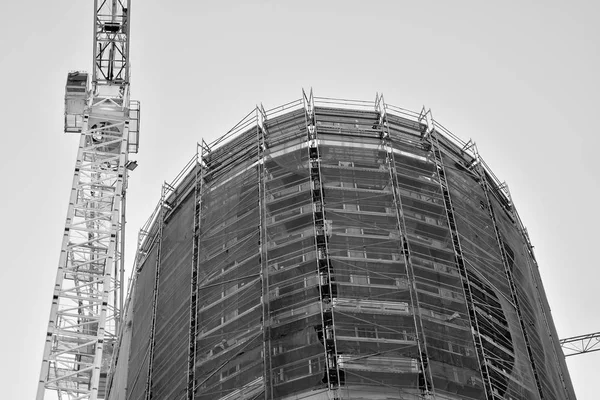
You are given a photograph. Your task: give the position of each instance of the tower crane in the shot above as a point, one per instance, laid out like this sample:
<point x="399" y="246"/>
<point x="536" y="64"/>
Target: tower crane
<point x="88" y="293"/>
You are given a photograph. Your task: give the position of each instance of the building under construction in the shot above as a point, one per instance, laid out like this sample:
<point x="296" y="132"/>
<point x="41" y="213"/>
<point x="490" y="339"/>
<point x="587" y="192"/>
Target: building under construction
<point x="330" y="249"/>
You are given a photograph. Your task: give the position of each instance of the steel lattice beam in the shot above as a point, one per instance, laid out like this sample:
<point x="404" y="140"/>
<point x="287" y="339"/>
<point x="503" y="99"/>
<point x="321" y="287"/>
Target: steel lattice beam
<point x="581" y="344"/>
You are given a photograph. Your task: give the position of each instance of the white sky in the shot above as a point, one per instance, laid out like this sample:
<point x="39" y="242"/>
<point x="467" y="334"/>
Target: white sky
<point x="520" y="78"/>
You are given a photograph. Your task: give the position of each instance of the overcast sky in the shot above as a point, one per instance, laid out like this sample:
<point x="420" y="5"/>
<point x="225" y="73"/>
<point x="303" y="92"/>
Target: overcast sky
<point x="520" y="78"/>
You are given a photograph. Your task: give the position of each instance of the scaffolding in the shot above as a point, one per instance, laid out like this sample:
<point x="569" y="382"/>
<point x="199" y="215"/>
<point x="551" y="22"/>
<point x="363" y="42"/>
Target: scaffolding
<point x="340" y="249"/>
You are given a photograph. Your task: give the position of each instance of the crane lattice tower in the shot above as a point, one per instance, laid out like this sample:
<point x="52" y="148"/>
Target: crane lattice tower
<point x="88" y="293"/>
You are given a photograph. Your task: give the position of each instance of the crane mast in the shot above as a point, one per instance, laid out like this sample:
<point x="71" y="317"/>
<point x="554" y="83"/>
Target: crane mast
<point x="88" y="293"/>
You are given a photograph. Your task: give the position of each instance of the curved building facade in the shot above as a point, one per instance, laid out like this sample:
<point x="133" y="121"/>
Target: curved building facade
<point x="339" y="250"/>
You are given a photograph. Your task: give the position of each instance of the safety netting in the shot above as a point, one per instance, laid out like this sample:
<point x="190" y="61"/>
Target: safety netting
<point x="346" y="238"/>
<point x="229" y="336"/>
